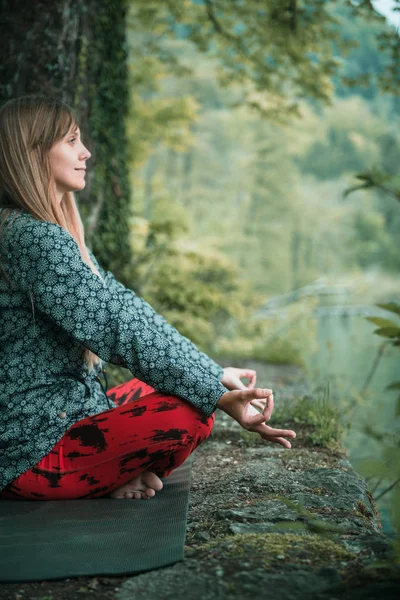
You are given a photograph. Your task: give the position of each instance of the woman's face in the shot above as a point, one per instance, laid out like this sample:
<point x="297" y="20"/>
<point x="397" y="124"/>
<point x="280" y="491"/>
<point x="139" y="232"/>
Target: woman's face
<point x="68" y="163"/>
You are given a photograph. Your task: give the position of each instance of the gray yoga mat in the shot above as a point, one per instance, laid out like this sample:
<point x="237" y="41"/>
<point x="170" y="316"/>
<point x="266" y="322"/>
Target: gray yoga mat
<point x="45" y="540"/>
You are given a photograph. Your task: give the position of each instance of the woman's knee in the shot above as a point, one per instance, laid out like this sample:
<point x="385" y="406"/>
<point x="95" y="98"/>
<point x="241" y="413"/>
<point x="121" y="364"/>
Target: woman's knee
<point x="206" y="424"/>
<point x="197" y="424"/>
<point x="186" y="417"/>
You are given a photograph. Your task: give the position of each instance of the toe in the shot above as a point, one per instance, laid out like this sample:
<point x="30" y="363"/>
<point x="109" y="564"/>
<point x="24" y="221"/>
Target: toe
<point x="151" y="479"/>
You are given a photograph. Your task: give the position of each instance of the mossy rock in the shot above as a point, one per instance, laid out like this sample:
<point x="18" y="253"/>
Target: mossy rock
<point x="277" y="550"/>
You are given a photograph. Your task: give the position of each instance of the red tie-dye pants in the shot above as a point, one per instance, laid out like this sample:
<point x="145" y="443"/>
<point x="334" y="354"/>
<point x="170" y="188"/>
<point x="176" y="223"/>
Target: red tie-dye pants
<point x="147" y="430"/>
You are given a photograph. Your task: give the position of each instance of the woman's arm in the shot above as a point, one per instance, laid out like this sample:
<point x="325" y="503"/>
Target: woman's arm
<point x="44" y="261"/>
<point x="158" y="322"/>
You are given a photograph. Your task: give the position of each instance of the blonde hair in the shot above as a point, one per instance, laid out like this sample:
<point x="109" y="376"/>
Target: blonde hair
<point x="29" y="126"/>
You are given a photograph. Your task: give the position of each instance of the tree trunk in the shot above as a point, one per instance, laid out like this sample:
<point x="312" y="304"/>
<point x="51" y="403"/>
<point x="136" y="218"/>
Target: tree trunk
<point x="76" y="49"/>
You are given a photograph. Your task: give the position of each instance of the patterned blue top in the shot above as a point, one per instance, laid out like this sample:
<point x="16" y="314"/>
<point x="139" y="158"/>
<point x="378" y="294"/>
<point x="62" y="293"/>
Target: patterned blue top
<point x="56" y="308"/>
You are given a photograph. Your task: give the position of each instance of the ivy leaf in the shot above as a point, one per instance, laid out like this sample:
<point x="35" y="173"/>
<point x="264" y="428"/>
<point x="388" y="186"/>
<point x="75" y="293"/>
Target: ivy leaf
<point x="389" y="332"/>
<point x="391" y="307"/>
<point x="381" y="322"/>
<point x="394" y="386"/>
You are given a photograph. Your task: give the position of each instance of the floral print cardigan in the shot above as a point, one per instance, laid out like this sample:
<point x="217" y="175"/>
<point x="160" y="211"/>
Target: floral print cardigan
<point x="57" y="307"/>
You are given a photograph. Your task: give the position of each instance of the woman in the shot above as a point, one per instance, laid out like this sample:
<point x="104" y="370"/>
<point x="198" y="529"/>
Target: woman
<point x="62" y="436"/>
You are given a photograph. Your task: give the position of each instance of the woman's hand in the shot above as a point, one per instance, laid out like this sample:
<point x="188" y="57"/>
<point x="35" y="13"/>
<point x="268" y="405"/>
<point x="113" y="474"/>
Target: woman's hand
<point x="232" y="379"/>
<point x="237" y="404"/>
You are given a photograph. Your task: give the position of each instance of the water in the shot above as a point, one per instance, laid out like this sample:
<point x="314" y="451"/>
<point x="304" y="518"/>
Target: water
<point x="347" y="348"/>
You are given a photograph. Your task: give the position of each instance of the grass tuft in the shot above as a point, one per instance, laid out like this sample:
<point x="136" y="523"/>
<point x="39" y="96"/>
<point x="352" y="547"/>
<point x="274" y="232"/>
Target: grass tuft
<point x="321" y="419"/>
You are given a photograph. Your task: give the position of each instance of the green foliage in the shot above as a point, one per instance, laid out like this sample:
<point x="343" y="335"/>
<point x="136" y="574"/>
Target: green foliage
<point x="391" y="330"/>
<point x="349" y="134"/>
<point x="380" y="230"/>
<point x="159" y="120"/>
<point x="269" y="198"/>
<point x="321" y="419"/>
<point x="372" y="237"/>
<point x="369" y="60"/>
<point x="282" y="352"/>
<point x="277" y="340"/>
<point x="195" y="288"/>
<point x="203" y="294"/>
<point x="169" y="222"/>
<point x="278" y="54"/>
<point x="258" y="191"/>
<point x="383" y="471"/>
<point x="378" y="179"/>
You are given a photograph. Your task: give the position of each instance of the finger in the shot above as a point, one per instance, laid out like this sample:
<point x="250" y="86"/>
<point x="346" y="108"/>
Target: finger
<point x="249" y="374"/>
<point x="269" y="407"/>
<point x="260" y="404"/>
<point x="271" y="438"/>
<point x="278" y="440"/>
<point x="273" y="433"/>
<point x="253" y="377"/>
<point x="280" y="432"/>
<point x="253" y="421"/>
<point x="239" y="385"/>
<point x="255" y="394"/>
<point x="275" y="439"/>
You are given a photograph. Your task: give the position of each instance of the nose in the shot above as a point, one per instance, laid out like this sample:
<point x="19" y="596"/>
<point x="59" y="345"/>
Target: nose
<point x="85" y="154"/>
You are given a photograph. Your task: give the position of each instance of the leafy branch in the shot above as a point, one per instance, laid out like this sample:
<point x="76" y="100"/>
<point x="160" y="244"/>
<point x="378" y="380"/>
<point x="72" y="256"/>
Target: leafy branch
<point x="374" y="178"/>
<point x="389" y="329"/>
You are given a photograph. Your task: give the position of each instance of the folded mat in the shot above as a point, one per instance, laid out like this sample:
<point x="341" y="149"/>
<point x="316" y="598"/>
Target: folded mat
<point x="44" y="540"/>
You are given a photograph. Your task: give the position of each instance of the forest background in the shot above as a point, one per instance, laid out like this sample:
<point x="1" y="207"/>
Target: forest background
<point x="243" y="228"/>
<point x="224" y="135"/>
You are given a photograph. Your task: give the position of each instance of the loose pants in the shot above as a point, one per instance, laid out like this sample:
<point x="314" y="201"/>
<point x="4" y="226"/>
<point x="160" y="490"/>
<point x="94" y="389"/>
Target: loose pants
<point x="147" y="430"/>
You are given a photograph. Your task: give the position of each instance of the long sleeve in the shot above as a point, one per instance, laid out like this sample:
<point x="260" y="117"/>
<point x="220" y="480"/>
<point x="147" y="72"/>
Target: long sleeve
<point x="158" y="322"/>
<point x="44" y="261"/>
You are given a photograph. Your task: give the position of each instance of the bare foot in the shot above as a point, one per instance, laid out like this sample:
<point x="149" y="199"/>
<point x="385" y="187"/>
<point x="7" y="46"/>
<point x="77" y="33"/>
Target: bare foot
<point x="144" y="485"/>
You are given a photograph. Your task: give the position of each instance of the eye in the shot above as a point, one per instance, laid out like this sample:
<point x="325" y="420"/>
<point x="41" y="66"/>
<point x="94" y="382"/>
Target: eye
<point x="72" y="139"/>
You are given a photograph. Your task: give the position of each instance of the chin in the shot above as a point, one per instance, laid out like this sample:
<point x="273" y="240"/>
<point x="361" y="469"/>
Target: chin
<point x="78" y="188"/>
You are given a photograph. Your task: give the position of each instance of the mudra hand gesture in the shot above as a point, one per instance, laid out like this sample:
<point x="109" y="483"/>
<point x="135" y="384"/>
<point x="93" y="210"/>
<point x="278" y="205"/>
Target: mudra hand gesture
<point x="243" y="401"/>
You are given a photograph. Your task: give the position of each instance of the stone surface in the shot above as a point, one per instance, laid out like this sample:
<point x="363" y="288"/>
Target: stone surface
<point x="281" y="523"/>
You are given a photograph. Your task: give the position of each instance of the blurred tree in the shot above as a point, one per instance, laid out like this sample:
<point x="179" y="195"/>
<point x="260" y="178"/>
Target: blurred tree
<point x="76" y="50"/>
<point x="193" y="286"/>
<point x="286" y="49"/>
<point x="252" y="183"/>
<point x="186" y="139"/>
<point x="379" y="226"/>
<point x="347" y="137"/>
<point x="372" y="64"/>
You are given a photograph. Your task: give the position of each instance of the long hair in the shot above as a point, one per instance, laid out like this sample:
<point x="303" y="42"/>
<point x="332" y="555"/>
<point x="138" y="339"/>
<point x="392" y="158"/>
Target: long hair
<point x="29" y="126"/>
